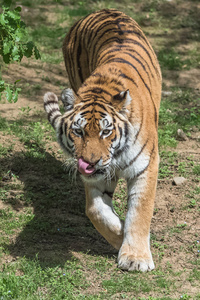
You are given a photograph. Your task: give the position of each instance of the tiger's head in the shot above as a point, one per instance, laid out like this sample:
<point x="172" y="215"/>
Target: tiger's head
<point x="93" y="132"/>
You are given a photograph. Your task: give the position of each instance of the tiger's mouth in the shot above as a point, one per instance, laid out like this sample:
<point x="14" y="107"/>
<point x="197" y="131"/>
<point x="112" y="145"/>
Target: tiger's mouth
<point x="87" y="169"/>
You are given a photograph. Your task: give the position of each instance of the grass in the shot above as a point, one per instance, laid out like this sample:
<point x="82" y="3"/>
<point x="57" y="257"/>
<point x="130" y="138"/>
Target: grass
<point x="48" y="247"/>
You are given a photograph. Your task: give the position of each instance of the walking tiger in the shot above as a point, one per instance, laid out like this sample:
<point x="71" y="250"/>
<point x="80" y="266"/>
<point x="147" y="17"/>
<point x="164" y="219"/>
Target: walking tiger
<point x="110" y="125"/>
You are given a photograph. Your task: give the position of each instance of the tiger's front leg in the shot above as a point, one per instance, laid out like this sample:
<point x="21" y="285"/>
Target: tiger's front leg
<point x="135" y="251"/>
<point x="100" y="211"/>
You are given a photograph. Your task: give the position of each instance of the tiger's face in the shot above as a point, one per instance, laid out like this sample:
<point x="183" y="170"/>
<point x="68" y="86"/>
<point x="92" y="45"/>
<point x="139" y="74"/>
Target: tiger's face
<point x="94" y="134"/>
<point x="92" y="140"/>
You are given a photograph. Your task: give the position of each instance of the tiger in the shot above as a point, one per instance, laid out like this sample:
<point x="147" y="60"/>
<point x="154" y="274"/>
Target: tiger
<point x="109" y="127"/>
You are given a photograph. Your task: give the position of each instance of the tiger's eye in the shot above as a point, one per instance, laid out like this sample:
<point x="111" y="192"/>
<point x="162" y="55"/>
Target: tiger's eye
<point x="78" y="131"/>
<point x="105" y="131"/>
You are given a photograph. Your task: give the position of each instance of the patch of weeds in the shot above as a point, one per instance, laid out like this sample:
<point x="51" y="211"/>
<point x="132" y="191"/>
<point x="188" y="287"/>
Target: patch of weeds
<point x="3" y="124"/>
<point x="176" y="113"/>
<point x="46" y="78"/>
<point x="194" y="58"/>
<point x="32" y="279"/>
<point x="167" y="127"/>
<point x="120" y="199"/>
<point x="11" y="221"/>
<point x="102" y="264"/>
<point x="4" y="151"/>
<point x="127" y="283"/>
<point x="25" y="110"/>
<point x="151" y="5"/>
<point x="170" y="59"/>
<point x="48" y="36"/>
<point x="196" y="170"/>
<point x="79" y="10"/>
<point x="193" y="195"/>
<point x="31" y="135"/>
<point x="52" y="58"/>
<point x="185" y="297"/>
<point x="164" y="283"/>
<point x="179" y="228"/>
<point x="168" y="159"/>
<point x="160" y="247"/>
<point x="182" y="168"/>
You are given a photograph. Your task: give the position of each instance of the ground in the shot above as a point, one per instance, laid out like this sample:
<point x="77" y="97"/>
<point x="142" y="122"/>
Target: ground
<point x="42" y="209"/>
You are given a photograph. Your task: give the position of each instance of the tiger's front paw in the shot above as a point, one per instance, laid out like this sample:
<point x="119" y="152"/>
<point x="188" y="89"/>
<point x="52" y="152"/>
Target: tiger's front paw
<point x="131" y="261"/>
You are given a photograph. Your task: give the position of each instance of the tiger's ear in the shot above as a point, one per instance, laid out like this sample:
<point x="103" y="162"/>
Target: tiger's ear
<point x="68" y="98"/>
<point x="121" y="101"/>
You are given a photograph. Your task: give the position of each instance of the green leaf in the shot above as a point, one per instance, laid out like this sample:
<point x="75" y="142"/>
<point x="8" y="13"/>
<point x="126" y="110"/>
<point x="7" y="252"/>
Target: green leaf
<point x="18" y="80"/>
<point x="15" y="53"/>
<point x="18" y="8"/>
<point x="6" y="58"/>
<point x="37" y="53"/>
<point x="9" y="94"/>
<point x="2" y="86"/>
<point x="7" y="47"/>
<point x="29" y="49"/>
<point x="15" y="96"/>
<point x="14" y="15"/>
<point x="2" y="20"/>
<point x="19" y="35"/>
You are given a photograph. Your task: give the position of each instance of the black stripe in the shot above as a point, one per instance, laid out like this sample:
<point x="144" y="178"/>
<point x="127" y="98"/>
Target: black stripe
<point x="101" y="105"/>
<point x="121" y="60"/>
<point x="126" y="41"/>
<point x="126" y="130"/>
<point x="124" y="61"/>
<point x="54" y="119"/>
<point x="66" y="128"/>
<point x="141" y="172"/>
<point x="126" y="146"/>
<point x="60" y="135"/>
<point x="79" y="50"/>
<point x="52" y="112"/>
<point x="128" y="49"/>
<point x="134" y="159"/>
<point x="85" y="112"/>
<point x="87" y="105"/>
<point x="131" y="196"/>
<point x="70" y="138"/>
<point x="50" y="102"/>
<point x="78" y="59"/>
<point x="120" y="137"/>
<point x="96" y="22"/>
<point x="71" y="69"/>
<point x="103" y="115"/>
<point x="96" y="90"/>
<point x="138" y="62"/>
<point x="129" y="78"/>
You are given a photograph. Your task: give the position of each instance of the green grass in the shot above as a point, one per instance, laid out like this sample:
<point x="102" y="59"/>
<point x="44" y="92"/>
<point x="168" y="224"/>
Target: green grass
<point x="26" y="279"/>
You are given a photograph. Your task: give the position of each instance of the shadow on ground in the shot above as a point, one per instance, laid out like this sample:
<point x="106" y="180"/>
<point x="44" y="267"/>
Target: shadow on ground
<point x="59" y="225"/>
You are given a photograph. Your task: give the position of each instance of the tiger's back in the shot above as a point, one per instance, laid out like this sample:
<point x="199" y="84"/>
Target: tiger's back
<point x="109" y="36"/>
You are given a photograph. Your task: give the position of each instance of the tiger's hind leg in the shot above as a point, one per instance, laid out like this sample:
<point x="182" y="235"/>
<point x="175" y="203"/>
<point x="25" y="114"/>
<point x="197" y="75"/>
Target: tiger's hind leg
<point x="100" y="211"/>
<point x="135" y="252"/>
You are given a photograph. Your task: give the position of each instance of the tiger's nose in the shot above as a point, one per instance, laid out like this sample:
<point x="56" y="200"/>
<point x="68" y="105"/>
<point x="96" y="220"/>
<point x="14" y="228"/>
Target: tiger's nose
<point x="93" y="163"/>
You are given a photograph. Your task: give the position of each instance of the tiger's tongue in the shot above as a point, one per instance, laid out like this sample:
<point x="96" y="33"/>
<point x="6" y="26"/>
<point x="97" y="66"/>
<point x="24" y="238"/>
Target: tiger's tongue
<point x="85" y="168"/>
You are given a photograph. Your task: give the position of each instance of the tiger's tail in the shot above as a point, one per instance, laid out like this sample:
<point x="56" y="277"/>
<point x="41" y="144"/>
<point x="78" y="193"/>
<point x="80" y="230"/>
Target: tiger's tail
<point x="52" y="108"/>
